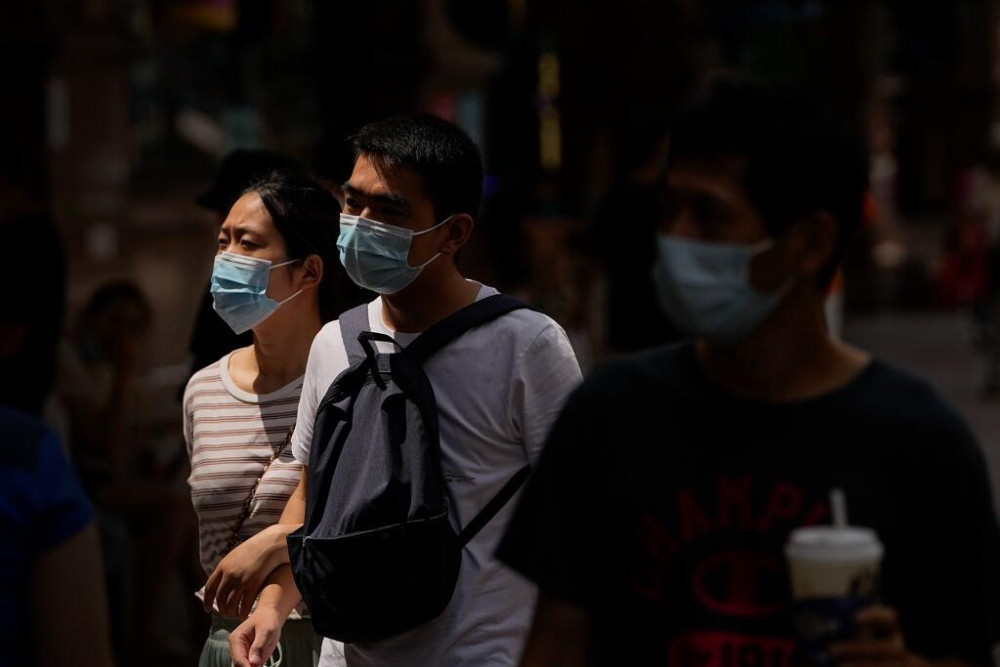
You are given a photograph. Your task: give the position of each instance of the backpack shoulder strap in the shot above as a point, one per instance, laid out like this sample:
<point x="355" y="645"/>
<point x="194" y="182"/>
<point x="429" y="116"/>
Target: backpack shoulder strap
<point x="456" y="324"/>
<point x="496" y="504"/>
<point x="352" y="323"/>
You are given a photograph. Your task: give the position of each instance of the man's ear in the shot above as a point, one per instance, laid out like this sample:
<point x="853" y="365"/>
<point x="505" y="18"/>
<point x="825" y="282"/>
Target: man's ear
<point x="311" y="272"/>
<point x="459" y="230"/>
<point x="811" y="245"/>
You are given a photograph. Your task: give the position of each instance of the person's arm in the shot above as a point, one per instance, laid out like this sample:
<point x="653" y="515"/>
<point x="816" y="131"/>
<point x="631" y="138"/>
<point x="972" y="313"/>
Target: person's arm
<point x="294" y="514"/>
<point x="111" y="422"/>
<point x="560" y="635"/>
<point x="252" y="643"/>
<point x="68" y="605"/>
<point x="236" y="580"/>
<point x="99" y="430"/>
<point x="262" y="630"/>
<point x="280" y="596"/>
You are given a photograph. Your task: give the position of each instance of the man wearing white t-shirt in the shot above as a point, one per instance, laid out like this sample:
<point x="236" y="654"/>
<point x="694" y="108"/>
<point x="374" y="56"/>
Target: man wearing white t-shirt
<point x="408" y="210"/>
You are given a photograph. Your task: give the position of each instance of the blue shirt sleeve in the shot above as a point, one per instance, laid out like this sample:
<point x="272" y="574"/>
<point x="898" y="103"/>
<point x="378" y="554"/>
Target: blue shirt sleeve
<point x="61" y="507"/>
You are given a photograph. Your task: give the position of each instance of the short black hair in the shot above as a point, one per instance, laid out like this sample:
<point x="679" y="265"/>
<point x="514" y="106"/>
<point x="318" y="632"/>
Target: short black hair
<point x="440" y="153"/>
<point x="798" y="159"/>
<point x="307" y="216"/>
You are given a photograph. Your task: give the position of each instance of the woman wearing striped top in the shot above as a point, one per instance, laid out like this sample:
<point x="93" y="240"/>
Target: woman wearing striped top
<point x="276" y="273"/>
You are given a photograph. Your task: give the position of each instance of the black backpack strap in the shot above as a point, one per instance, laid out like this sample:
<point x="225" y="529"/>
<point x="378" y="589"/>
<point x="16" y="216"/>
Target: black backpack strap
<point x="352" y="323"/>
<point x="495" y="505"/>
<point x="456" y="324"/>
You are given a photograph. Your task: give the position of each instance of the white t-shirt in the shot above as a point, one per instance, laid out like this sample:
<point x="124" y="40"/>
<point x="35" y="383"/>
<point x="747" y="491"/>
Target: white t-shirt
<point x="499" y="389"/>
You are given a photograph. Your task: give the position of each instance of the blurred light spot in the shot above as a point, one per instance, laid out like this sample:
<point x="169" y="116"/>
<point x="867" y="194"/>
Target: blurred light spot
<point x="491" y="185"/>
<point x="202" y="131"/>
<point x="102" y="242"/>
<point x="889" y="254"/>
<point x="57" y="112"/>
<point x="549" y="121"/>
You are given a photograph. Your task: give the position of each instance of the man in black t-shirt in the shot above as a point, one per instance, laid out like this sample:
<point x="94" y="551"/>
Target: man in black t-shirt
<point x="655" y="523"/>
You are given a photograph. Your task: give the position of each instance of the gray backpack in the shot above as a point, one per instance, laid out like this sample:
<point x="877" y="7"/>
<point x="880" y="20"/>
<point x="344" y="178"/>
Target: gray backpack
<point x="377" y="554"/>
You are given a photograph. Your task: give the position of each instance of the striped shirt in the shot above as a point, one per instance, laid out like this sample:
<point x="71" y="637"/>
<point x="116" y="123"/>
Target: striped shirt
<point x="231" y="435"/>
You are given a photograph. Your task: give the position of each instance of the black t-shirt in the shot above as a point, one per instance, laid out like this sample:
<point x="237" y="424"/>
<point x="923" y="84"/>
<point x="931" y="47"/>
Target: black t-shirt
<point x="662" y="505"/>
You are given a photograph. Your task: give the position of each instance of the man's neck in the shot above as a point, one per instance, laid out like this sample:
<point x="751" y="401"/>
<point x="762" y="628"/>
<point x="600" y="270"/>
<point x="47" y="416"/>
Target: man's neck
<point x="791" y="357"/>
<point x="430" y="299"/>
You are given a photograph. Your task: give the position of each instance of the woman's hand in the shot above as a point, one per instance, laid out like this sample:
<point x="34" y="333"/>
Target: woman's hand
<point x="253" y="642"/>
<point x="234" y="584"/>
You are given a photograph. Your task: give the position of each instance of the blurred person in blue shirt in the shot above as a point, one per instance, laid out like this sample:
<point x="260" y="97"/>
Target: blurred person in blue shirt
<point x="53" y="607"/>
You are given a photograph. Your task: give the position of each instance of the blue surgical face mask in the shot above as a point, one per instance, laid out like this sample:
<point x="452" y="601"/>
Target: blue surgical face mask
<point x="375" y="254"/>
<point x="705" y="288"/>
<point x="239" y="290"/>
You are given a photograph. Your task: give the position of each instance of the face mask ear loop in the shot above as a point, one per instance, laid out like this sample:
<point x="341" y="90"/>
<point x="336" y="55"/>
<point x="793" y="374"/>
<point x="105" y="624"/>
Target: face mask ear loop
<point x="278" y="266"/>
<point x="446" y="220"/>
<point x="282" y="303"/>
<point x="425" y="263"/>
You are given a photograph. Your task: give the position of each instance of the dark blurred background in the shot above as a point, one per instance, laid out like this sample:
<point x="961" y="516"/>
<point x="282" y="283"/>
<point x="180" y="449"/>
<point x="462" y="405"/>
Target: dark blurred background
<point x="117" y="114"/>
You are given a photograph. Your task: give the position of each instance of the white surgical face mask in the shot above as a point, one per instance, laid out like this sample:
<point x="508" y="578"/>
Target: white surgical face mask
<point x="239" y="290"/>
<point x="705" y="287"/>
<point x="376" y="255"/>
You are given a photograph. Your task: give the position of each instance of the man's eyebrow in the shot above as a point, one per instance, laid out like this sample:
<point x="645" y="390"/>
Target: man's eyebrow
<point x="388" y="198"/>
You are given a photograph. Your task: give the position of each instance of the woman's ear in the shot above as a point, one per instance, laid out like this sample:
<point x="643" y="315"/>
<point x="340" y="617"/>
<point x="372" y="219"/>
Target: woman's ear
<point x="459" y="231"/>
<point x="311" y="272"/>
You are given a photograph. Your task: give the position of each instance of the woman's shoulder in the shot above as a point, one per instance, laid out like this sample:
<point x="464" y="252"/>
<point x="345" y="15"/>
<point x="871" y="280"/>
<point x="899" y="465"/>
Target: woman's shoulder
<point x="207" y="379"/>
<point x="208" y="374"/>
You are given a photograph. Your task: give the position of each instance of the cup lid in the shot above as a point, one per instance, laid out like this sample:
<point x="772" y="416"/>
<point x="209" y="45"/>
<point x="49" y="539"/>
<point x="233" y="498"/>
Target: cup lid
<point x="831" y="544"/>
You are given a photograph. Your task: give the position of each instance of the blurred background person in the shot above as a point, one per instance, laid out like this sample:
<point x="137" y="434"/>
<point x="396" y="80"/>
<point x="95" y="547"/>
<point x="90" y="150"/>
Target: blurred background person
<point x="53" y="605"/>
<point x="141" y="512"/>
<point x="969" y="271"/>
<point x="278" y="276"/>
<point x="98" y="367"/>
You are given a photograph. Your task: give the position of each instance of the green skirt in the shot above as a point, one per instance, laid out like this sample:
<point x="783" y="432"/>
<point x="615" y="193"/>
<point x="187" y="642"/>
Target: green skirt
<point x="299" y="645"/>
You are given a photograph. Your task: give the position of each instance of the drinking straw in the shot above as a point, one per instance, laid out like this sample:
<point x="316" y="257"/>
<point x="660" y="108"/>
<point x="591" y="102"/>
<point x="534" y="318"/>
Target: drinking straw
<point x="838" y="505"/>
